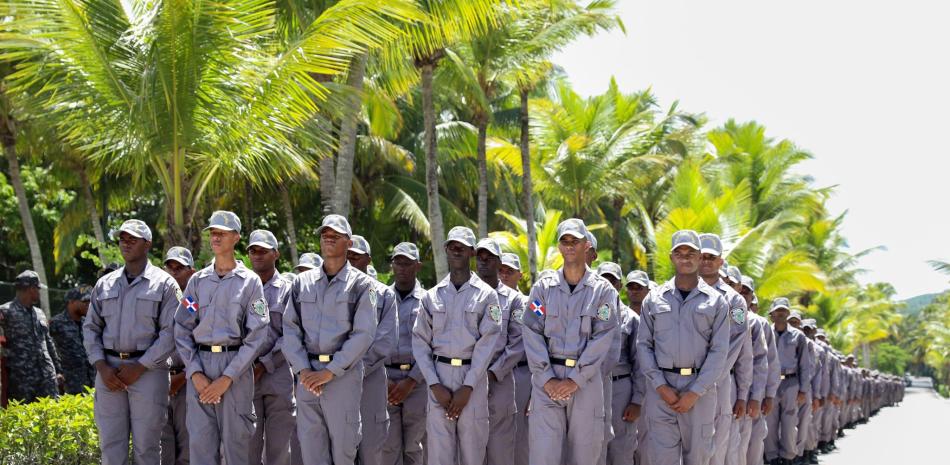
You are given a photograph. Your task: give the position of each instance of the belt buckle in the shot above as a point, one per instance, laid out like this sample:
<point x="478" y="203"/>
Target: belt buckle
<point x="686" y="371"/>
<point x="124" y="355"/>
<point x="405" y="367"/>
<point x="323" y="358"/>
<point x="782" y="377"/>
<point x="456" y="362"/>
<point x="570" y="363"/>
<point x="217" y="349"/>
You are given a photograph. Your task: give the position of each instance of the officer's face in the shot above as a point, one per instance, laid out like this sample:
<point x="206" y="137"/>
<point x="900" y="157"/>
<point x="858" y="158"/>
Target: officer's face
<point x="133" y="248"/>
<point x="223" y="241"/>
<point x="590" y="256"/>
<point x="179" y="272"/>
<point x="779" y="316"/>
<point x="458" y="255"/>
<point x="333" y="244"/>
<point x="709" y="265"/>
<point x="795" y="323"/>
<point x="612" y="280"/>
<point x="685" y="259"/>
<point x="405" y="270"/>
<point x="636" y="293"/>
<point x="509" y="276"/>
<point x="487" y="264"/>
<point x="573" y="250"/>
<point x="82" y="307"/>
<point x="262" y="258"/>
<point x="360" y="261"/>
<point x="810" y="332"/>
<point x="746" y="294"/>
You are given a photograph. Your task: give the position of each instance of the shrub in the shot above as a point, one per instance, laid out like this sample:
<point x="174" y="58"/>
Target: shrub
<point x="60" y="432"/>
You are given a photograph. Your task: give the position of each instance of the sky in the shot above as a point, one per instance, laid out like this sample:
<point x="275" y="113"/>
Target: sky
<point x="864" y="86"/>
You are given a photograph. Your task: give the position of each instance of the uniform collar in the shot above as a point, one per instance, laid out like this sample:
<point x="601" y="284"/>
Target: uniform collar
<point x="586" y="280"/>
<point x="701" y="287"/>
<point x="276" y="280"/>
<point x="147" y="274"/>
<point x="240" y="271"/>
<point x="473" y="281"/>
<point x="417" y="292"/>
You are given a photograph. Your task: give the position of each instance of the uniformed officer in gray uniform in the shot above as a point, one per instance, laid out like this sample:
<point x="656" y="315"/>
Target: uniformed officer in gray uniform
<point x="627" y="386"/>
<point x="806" y="410"/>
<point x="455" y="339"/>
<point x="681" y="397"/>
<point x="220" y="329"/>
<point x="733" y="387"/>
<point x="66" y="331"/>
<point x="510" y="275"/>
<point x="180" y="264"/>
<point x="308" y="261"/>
<point x="31" y="360"/>
<point x="501" y="386"/>
<point x="781" y="442"/>
<point x="569" y="330"/>
<point x="375" y="385"/>
<point x="407" y="387"/>
<point x="329" y="324"/>
<point x="274" y="405"/>
<point x="128" y="334"/>
<point x="638" y="287"/>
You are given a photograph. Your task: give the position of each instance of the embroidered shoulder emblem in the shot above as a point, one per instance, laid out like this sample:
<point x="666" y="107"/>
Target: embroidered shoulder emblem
<point x="179" y="295"/>
<point x="519" y="315"/>
<point x="603" y="313"/>
<point x="373" y="297"/>
<point x="494" y="311"/>
<point x="260" y="307"/>
<point x="738" y="315"/>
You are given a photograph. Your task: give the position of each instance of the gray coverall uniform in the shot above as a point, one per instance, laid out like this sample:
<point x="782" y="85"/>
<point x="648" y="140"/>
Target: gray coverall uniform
<point x="502" y="408"/>
<point x="522" y="376"/>
<point x="628" y="388"/>
<point x="740" y="437"/>
<point x="737" y="376"/>
<point x="796" y="369"/>
<point x="760" y="430"/>
<point x="375" y="385"/>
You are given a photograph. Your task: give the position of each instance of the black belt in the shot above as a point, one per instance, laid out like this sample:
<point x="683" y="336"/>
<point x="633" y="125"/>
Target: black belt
<point x="456" y="362"/>
<point x="567" y="362"/>
<point x="681" y="371"/>
<point x="124" y="355"/>
<point x="788" y="375"/>
<point x="523" y="363"/>
<point x="399" y="366"/>
<point x="176" y="371"/>
<point x="219" y="349"/>
<point x="322" y="358"/>
<point x="620" y="377"/>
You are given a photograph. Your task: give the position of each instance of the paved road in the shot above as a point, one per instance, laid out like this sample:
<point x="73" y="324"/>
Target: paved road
<point x="916" y="432"/>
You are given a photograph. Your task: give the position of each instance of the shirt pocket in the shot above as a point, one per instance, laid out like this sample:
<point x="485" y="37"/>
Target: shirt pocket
<point x="473" y="317"/>
<point x="109" y="306"/>
<point x="439" y="316"/>
<point x="308" y="307"/>
<point x="703" y="317"/>
<point x="147" y="306"/>
<point x="663" y="319"/>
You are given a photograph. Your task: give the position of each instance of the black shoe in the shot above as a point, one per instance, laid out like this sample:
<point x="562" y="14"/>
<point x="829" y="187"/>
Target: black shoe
<point x="840" y="434"/>
<point x="813" y="458"/>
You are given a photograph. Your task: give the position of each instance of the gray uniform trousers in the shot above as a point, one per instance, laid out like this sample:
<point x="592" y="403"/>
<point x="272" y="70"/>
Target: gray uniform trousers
<point x="501" y="420"/>
<point x="463" y="441"/>
<point x="758" y="431"/>
<point x="726" y="398"/>
<point x="329" y="425"/>
<point x="220" y="433"/>
<point x="375" y="417"/>
<point x="141" y="410"/>
<point x="407" y="426"/>
<point x="672" y="436"/>
<point x="581" y="417"/>
<point x="829" y="420"/>
<point x="175" y="433"/>
<point x="782" y="422"/>
<point x="277" y="418"/>
<point x="609" y="433"/>
<point x="738" y="441"/>
<point x="522" y="376"/>
<point x="640" y="455"/>
<point x="621" y="448"/>
<point x="804" y="426"/>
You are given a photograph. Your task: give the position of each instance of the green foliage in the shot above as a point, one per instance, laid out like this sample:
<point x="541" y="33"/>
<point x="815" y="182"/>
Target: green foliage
<point x="891" y="358"/>
<point x="50" y="431"/>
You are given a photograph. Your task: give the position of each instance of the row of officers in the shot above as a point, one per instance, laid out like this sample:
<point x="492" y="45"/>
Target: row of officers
<point x="330" y="366"/>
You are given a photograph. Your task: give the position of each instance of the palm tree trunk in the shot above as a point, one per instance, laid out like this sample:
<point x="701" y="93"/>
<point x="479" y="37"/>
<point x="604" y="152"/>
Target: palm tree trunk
<point x="327" y="183"/>
<point x="526" y="187"/>
<point x="8" y="136"/>
<point x="866" y="354"/>
<point x="348" y="127"/>
<point x="619" y="226"/>
<point x="482" y="124"/>
<point x="291" y="229"/>
<point x="93" y="212"/>
<point x="436" y="228"/>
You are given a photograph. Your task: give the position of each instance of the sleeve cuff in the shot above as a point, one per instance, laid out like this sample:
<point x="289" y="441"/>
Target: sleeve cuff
<point x="335" y="369"/>
<point x="545" y="377"/>
<point x="578" y="378"/>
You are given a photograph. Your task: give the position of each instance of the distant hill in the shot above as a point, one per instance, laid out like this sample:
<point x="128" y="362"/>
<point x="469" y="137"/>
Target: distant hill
<point x="913" y="305"/>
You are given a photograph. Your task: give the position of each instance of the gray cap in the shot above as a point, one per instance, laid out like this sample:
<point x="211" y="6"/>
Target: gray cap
<point x="310" y="261"/>
<point x="711" y="244"/>
<point x="511" y="260"/>
<point x="406" y="249"/>
<point x="360" y="245"/>
<point x="610" y="268"/>
<point x="289" y="276"/>
<point x="490" y="245"/>
<point x="795" y="314"/>
<point x="592" y="239"/>
<point x="180" y="255"/>
<point x="821" y="333"/>
<point x="724" y="269"/>
<point x="810" y="323"/>
<point x="748" y="282"/>
<point x="778" y="303"/>
<point x="80" y="293"/>
<point x="136" y="228"/>
<point x="686" y="237"/>
<point x="653" y="284"/>
<point x="337" y="223"/>
<point x="371" y="272"/>
<point x="573" y="226"/>
<point x="462" y="235"/>
<point x="733" y="274"/>
<point x="225" y="220"/>
<point x="640" y="277"/>
<point x="28" y="278"/>
<point x="262" y="238"/>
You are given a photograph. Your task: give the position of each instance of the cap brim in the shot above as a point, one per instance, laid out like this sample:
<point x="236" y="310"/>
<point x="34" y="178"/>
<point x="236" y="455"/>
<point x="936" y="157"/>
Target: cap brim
<point x="308" y="267"/>
<point x="261" y="244"/>
<point x="129" y="232"/>
<point x="221" y="227"/>
<point x="638" y="281"/>
<point x="512" y="266"/>
<point x="612" y="274"/>
<point x="357" y="250"/>
<point x="466" y="244"/>
<point x="179" y="260"/>
<point x="489" y="251"/>
<point x="779" y="308"/>
<point x="687" y="244"/>
<point x="400" y="254"/>
<point x="575" y="234"/>
<point x="321" y="228"/>
<point x="711" y="252"/>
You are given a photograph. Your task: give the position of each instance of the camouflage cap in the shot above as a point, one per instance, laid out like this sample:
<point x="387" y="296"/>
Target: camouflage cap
<point x="711" y="244"/>
<point x="686" y="237"/>
<point x="749" y="283"/>
<point x="337" y="223"/>
<point x="262" y="238"/>
<point x="28" y="278"/>
<point x="360" y="245"/>
<point x="310" y="261"/>
<point x="180" y="255"/>
<point x="795" y="315"/>
<point x="574" y="227"/>
<point x="511" y="260"/>
<point x="821" y="333"/>
<point x="136" y="228"/>
<point x="406" y="249"/>
<point x="810" y="323"/>
<point x="225" y="221"/>
<point x="490" y="245"/>
<point x="592" y="239"/>
<point x="724" y="269"/>
<point x="80" y="293"/>
<point x="462" y="235"/>
<point x="610" y="268"/>
<point x="371" y="272"/>
<point x="640" y="277"/>
<point x="734" y="275"/>
<point x="778" y="303"/>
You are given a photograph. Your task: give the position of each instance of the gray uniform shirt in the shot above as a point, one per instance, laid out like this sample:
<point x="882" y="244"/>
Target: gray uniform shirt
<point x="512" y="352"/>
<point x="408" y="309"/>
<point x="276" y="290"/>
<point x="130" y="317"/>
<point x="775" y="367"/>
<point x="630" y="326"/>
<point x="739" y="359"/>
<point x="678" y="333"/>
<point x="336" y="318"/>
<point x="792" y="346"/>
<point x="760" y="357"/>
<point x="578" y="324"/>
<point x="231" y="311"/>
<point x="387" y="330"/>
<point x="458" y="323"/>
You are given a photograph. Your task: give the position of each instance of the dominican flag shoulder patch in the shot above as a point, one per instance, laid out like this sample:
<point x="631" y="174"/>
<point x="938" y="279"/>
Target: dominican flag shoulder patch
<point x="538" y="308"/>
<point x="190" y="304"/>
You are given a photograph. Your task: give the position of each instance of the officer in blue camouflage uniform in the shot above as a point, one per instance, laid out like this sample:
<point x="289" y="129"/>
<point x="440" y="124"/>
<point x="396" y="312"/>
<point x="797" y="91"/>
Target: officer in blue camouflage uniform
<point x="30" y="356"/>
<point x="66" y="330"/>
